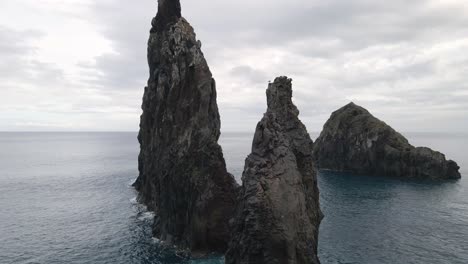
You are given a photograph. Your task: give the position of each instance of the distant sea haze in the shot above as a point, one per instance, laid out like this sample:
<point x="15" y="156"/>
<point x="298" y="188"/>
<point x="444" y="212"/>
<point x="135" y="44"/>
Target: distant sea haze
<point x="66" y="198"/>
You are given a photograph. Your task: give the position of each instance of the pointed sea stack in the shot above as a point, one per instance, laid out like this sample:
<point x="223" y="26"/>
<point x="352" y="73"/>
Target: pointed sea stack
<point x="354" y="141"/>
<point x="278" y="216"/>
<point x="183" y="175"/>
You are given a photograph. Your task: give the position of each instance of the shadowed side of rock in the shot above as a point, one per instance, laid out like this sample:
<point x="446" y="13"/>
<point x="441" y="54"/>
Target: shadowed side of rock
<point x="183" y="175"/>
<point x="354" y="141"/>
<point x="278" y="215"/>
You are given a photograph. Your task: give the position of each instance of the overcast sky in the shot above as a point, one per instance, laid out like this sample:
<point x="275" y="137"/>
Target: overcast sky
<point x="80" y="65"/>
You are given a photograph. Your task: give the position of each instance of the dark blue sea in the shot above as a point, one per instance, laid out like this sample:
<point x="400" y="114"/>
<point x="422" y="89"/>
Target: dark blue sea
<point x="67" y="198"/>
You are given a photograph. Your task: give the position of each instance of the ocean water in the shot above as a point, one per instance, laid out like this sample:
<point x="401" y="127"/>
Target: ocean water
<point x="66" y="198"/>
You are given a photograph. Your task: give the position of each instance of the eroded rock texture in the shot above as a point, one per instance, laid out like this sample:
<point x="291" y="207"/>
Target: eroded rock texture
<point x="354" y="141"/>
<point x="183" y="175"/>
<point x="278" y="215"/>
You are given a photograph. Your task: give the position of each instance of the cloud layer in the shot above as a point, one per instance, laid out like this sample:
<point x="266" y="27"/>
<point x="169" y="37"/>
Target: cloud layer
<point x="83" y="65"/>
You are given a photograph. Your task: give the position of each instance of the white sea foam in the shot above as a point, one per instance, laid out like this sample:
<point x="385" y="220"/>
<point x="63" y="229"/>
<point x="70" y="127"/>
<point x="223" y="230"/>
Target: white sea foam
<point x="143" y="213"/>
<point x="131" y="182"/>
<point x="145" y="216"/>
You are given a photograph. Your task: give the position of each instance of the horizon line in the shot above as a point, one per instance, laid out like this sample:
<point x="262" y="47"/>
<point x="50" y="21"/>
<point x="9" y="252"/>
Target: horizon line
<point x="232" y="131"/>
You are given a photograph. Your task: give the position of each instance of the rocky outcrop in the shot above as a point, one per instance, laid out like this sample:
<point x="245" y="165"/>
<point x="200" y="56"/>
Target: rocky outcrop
<point x="354" y="141"/>
<point x="183" y="175"/>
<point x="278" y="215"/>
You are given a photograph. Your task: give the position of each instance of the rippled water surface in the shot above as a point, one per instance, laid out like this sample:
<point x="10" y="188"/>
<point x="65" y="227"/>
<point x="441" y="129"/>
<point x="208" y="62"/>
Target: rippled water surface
<point x="66" y="198"/>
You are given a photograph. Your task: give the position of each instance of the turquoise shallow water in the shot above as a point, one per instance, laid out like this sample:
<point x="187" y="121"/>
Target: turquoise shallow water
<point x="66" y="198"/>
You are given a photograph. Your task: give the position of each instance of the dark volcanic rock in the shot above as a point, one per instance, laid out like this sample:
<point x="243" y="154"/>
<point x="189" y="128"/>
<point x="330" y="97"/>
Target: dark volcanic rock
<point x="354" y="141"/>
<point x="169" y="12"/>
<point x="278" y="215"/>
<point x="183" y="175"/>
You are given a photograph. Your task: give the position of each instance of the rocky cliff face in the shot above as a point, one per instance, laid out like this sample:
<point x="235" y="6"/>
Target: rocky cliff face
<point x="183" y="175"/>
<point x="354" y="141"/>
<point x="278" y="215"/>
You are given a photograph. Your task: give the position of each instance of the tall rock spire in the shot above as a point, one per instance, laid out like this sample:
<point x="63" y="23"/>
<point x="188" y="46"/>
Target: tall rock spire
<point x="169" y="11"/>
<point x="278" y="215"/>
<point x="183" y="175"/>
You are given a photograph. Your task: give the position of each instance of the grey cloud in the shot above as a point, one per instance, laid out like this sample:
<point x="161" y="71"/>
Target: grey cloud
<point x="116" y="72"/>
<point x="254" y="76"/>
<point x="17" y="42"/>
<point x="359" y="23"/>
<point x="17" y="65"/>
<point x="127" y="25"/>
<point x="383" y="54"/>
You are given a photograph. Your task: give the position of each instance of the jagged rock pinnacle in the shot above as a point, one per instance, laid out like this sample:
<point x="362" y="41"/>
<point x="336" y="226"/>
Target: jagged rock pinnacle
<point x="183" y="175"/>
<point x="169" y="11"/>
<point x="278" y="214"/>
<point x="279" y="98"/>
<point x="279" y="94"/>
